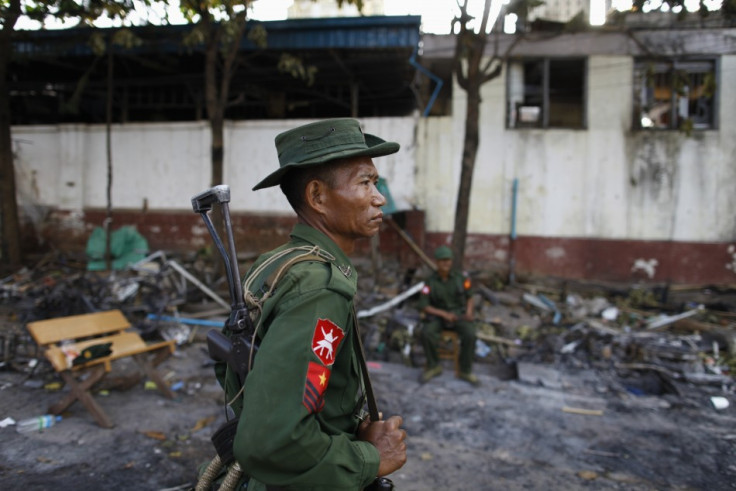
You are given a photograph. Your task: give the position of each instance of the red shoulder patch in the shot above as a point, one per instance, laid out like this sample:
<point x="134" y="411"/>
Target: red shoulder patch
<point x="425" y="290"/>
<point x="326" y="339"/>
<point x="318" y="377"/>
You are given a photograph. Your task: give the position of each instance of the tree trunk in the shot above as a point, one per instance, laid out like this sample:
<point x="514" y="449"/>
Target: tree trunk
<point x="215" y="117"/>
<point x="470" y="47"/>
<point x="108" y="142"/>
<point x="217" y="149"/>
<point x="470" y="151"/>
<point x="218" y="72"/>
<point x="215" y="114"/>
<point x="10" y="250"/>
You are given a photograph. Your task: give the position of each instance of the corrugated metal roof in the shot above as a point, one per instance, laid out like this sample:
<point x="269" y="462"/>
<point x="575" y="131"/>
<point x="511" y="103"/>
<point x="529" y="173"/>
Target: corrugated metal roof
<point x="340" y="32"/>
<point x="345" y="32"/>
<point x="340" y="66"/>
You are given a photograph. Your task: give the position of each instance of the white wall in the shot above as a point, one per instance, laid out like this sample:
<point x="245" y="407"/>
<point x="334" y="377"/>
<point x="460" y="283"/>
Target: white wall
<point x="66" y="165"/>
<point x="166" y="164"/>
<point x="602" y="182"/>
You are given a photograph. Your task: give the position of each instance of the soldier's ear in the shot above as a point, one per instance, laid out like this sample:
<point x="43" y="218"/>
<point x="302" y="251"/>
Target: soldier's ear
<point x="314" y="195"/>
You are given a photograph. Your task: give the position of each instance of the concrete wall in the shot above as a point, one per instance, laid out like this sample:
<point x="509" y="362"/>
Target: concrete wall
<point x="157" y="168"/>
<point x="161" y="166"/>
<point x="591" y="203"/>
<point x="605" y="182"/>
<point x="581" y="187"/>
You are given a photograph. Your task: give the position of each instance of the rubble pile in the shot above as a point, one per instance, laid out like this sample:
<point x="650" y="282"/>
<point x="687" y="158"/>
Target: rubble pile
<point x="688" y="337"/>
<point x="149" y="292"/>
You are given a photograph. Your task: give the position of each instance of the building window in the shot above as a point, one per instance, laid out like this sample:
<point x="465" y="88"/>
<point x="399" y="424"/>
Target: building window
<point x="674" y="94"/>
<point x="546" y="93"/>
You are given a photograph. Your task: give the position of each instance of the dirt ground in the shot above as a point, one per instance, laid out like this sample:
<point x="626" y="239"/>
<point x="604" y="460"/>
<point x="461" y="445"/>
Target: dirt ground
<point x="509" y="434"/>
<point x="536" y="422"/>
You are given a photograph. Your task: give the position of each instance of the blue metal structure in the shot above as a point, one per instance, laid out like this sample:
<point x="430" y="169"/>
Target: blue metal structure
<point x="355" y="66"/>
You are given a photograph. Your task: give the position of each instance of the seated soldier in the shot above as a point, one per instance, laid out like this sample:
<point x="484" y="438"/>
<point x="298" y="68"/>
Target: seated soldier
<point x="446" y="301"/>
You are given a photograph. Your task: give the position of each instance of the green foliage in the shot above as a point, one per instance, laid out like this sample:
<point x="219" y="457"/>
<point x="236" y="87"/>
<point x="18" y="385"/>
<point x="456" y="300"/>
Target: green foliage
<point x="84" y="11"/>
<point x="207" y="11"/>
<point x="709" y="85"/>
<point x="703" y="11"/>
<point x="296" y="68"/>
<point x="686" y="126"/>
<point x="357" y="3"/>
<point x="641" y="297"/>
<point x="124" y="38"/>
<point x="258" y="35"/>
<point x="215" y="21"/>
<point x="97" y="43"/>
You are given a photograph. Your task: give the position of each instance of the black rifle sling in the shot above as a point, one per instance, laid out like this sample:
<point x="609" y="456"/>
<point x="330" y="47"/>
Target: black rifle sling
<point x="379" y="483"/>
<point x="370" y="398"/>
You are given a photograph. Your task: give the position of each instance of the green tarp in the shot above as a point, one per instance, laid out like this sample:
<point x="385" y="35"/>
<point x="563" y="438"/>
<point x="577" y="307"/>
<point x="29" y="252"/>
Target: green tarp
<point x="127" y="246"/>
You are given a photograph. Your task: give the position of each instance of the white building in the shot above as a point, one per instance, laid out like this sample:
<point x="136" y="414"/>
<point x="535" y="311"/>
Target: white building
<point x="310" y="9"/>
<point x="560" y="10"/>
<point x="621" y="148"/>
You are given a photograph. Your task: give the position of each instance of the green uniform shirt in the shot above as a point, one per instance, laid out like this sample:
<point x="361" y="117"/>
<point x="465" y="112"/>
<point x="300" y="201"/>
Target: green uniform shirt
<point x="302" y="397"/>
<point x="451" y="294"/>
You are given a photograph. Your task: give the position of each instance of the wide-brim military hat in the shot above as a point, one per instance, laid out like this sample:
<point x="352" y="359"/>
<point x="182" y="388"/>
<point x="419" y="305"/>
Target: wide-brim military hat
<point x="321" y="142"/>
<point x="443" y="252"/>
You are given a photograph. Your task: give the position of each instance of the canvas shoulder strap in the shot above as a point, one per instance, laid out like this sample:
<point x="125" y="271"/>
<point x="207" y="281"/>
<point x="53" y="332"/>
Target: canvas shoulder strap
<point x="290" y="257"/>
<point x="255" y="304"/>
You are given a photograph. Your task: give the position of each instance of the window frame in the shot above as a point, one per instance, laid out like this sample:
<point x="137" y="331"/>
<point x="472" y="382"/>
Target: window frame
<point x="512" y="119"/>
<point x="673" y="65"/>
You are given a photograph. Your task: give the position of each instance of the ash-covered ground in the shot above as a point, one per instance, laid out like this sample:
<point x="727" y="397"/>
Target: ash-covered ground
<point x="583" y="400"/>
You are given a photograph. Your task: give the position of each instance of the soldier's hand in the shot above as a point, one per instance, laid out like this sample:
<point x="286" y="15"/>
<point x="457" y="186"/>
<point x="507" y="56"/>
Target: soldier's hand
<point x="388" y="438"/>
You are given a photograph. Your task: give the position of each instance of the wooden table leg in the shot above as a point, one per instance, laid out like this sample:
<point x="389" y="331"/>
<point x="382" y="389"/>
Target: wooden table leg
<point x="79" y="391"/>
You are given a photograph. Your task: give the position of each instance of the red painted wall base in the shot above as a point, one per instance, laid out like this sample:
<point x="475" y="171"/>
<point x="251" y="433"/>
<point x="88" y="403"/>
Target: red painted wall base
<point x="575" y="258"/>
<point x="695" y="263"/>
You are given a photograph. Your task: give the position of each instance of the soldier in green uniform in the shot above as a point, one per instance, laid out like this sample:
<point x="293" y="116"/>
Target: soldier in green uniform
<point x="447" y="302"/>
<point x="301" y="421"/>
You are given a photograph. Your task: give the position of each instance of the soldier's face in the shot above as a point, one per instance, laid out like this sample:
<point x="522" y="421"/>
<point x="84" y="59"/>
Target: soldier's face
<point x="444" y="266"/>
<point x="353" y="204"/>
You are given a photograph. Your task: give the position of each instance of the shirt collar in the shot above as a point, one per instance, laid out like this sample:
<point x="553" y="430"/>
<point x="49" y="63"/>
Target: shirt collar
<point x="314" y="236"/>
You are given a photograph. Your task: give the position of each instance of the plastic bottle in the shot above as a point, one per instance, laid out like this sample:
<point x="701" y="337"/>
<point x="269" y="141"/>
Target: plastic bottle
<point x="37" y="424"/>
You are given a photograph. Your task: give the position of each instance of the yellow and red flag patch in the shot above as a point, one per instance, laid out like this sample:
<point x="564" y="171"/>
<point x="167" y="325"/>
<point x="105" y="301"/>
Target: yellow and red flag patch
<point x="314" y="389"/>
<point x="325" y="341"/>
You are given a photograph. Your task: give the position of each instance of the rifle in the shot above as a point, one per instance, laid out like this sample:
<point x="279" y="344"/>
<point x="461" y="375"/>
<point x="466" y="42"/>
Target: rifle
<point x="238" y="349"/>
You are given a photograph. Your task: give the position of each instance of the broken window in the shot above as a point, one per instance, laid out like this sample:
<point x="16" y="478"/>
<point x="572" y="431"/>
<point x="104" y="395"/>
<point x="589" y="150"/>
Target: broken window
<point x="546" y="93"/>
<point x="674" y="94"/>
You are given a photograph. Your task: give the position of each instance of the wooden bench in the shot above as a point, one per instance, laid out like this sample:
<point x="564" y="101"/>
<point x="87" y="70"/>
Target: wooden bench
<point x="76" y="333"/>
